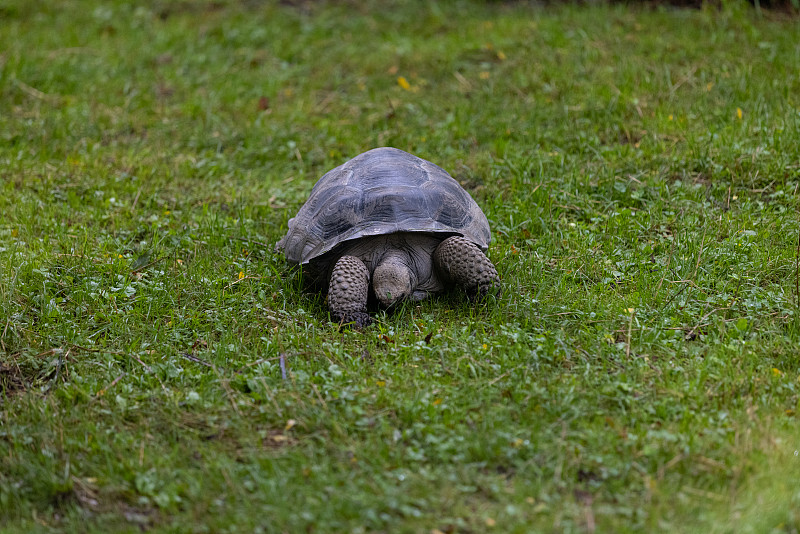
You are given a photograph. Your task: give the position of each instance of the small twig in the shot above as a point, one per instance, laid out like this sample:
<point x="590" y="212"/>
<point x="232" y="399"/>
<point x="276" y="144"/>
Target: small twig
<point x="589" y="515"/>
<point x="143" y="267"/>
<point x="193" y="358"/>
<point x="662" y="470"/>
<point x="763" y="189"/>
<point x="700" y="255"/>
<point x="797" y="273"/>
<point x="20" y="374"/>
<point x="234" y="488"/>
<point x="706" y="316"/>
<point x="3" y="345"/>
<point x="325" y="102"/>
<point x="462" y="81"/>
<point x="241" y="280"/>
<point x="500" y="377"/>
<point x="271" y="398"/>
<point x="283" y="365"/>
<point x="682" y="81"/>
<point x="259" y="243"/>
<point x="141" y="450"/>
<point x="724" y="321"/>
<point x="669" y="263"/>
<point x="149" y="369"/>
<point x="33" y="92"/>
<point x="702" y="493"/>
<point x="562" y="445"/>
<point x="321" y="400"/>
<point x="628" y="341"/>
<point x="113" y="383"/>
<point x="684" y="328"/>
<point x="61" y="360"/>
<point x="136" y="199"/>
<point x="262" y="360"/>
<point x="391" y="105"/>
<point x="87" y="349"/>
<point x="228" y="391"/>
<point x="681" y="290"/>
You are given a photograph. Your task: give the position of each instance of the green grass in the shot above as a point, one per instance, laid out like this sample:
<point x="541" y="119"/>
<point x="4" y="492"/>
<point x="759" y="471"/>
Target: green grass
<point x="640" y="171"/>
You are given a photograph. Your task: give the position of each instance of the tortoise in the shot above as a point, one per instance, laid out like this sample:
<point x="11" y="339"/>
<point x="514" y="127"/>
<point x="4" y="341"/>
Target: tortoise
<point x="394" y="219"/>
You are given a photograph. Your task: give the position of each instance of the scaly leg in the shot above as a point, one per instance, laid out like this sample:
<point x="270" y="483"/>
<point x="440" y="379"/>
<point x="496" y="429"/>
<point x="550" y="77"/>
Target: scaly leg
<point x="348" y="290"/>
<point x="460" y="260"/>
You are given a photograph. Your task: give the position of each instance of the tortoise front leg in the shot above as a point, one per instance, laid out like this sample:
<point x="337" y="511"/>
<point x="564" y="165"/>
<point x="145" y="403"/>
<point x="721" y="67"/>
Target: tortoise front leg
<point x="460" y="260"/>
<point x="348" y="290"/>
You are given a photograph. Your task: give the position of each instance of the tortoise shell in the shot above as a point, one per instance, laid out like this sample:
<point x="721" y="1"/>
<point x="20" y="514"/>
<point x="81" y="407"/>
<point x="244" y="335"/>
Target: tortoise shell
<point x="382" y="191"/>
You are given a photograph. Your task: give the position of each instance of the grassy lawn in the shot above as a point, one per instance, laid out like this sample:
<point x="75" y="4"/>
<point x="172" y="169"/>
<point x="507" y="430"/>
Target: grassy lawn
<point x="162" y="370"/>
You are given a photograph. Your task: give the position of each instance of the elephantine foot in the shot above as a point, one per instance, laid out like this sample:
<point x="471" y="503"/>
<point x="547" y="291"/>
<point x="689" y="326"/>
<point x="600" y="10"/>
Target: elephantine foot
<point x="348" y="290"/>
<point x="462" y="262"/>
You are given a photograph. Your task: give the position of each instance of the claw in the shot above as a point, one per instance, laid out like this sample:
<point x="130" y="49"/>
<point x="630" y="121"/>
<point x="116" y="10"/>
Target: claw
<point x="358" y="320"/>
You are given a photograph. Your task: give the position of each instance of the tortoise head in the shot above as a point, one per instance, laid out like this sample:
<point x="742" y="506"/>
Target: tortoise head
<point x="393" y="280"/>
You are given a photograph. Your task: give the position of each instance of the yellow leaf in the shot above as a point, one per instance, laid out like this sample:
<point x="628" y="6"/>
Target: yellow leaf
<point x="490" y="522"/>
<point x="381" y="383"/>
<point x="709" y="85"/>
<point x="402" y="82"/>
<point x="14" y="232"/>
<point x="501" y="56"/>
<point x="289" y="424"/>
<point x="484" y="75"/>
